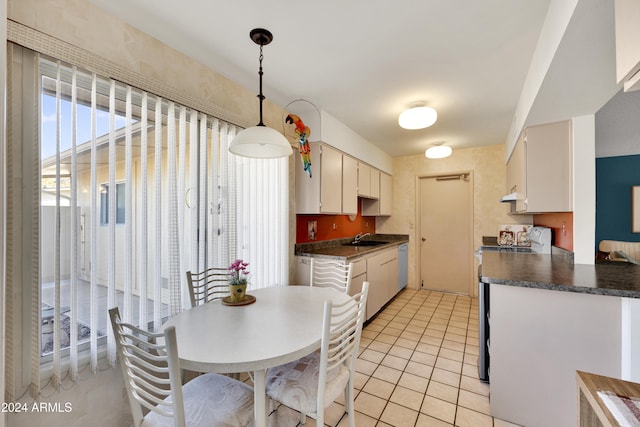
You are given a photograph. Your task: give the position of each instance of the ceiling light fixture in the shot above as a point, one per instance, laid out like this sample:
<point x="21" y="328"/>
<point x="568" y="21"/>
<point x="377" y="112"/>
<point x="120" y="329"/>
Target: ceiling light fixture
<point x="260" y="141"/>
<point x="438" y="152"/>
<point x="417" y="117"/>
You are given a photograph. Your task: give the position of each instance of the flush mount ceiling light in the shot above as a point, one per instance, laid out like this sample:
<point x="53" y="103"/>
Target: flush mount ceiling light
<point x="438" y="152"/>
<point x="260" y="141"/>
<point x="417" y="117"/>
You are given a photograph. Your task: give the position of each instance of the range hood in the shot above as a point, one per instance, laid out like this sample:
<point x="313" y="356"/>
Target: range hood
<point x="511" y="197"/>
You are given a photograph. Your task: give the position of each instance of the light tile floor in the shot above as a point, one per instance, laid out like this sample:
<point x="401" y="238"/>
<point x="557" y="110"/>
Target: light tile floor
<point x="417" y="367"/>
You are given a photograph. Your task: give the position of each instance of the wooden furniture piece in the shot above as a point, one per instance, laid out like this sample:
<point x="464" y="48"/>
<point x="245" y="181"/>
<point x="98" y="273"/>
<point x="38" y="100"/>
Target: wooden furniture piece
<point x="153" y="381"/>
<point x="309" y="385"/>
<point x="208" y="285"/>
<point x="327" y="273"/>
<point x="592" y="411"/>
<point x="283" y="325"/>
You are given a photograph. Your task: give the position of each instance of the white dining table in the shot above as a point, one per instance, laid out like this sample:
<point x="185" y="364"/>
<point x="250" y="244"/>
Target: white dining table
<point x="282" y="325"/>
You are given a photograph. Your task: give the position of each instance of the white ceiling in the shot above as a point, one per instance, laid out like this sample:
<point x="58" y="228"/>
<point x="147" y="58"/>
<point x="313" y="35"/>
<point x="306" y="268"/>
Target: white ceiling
<point x="364" y="61"/>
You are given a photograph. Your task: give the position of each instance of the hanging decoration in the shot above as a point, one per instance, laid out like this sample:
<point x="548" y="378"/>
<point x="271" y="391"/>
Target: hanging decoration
<point x="302" y="133"/>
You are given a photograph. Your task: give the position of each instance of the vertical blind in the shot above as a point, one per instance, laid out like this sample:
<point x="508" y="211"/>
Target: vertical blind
<point x="188" y="205"/>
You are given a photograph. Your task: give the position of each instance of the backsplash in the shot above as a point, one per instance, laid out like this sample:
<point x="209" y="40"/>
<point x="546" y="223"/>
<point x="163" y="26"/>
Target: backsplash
<point x="310" y="228"/>
<point x="562" y="225"/>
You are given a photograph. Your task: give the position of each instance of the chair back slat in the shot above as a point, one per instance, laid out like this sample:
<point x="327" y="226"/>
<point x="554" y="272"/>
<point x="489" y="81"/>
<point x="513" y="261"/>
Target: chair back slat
<point x="341" y="331"/>
<point x="344" y="329"/>
<point x="151" y="370"/>
<point x="331" y="274"/>
<point x="208" y="285"/>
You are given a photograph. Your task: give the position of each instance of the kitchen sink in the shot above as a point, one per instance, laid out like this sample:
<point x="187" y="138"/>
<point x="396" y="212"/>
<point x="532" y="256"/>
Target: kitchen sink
<point x="366" y="243"/>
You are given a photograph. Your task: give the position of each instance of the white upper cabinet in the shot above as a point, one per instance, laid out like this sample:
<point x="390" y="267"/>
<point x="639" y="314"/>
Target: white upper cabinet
<point x="386" y="197"/>
<point x="368" y="181"/>
<point x="540" y="169"/>
<point x="516" y="180"/>
<point x="322" y="191"/>
<point x="349" y="185"/>
<point x="364" y="180"/>
<point x="627" y="30"/>
<point x="375" y="183"/>
<point x="337" y="181"/>
<point x="383" y="204"/>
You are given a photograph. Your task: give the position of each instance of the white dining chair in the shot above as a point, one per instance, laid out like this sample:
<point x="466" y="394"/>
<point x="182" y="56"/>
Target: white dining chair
<point x="331" y="274"/>
<point x="208" y="285"/>
<point x="312" y="383"/>
<point x="153" y="382"/>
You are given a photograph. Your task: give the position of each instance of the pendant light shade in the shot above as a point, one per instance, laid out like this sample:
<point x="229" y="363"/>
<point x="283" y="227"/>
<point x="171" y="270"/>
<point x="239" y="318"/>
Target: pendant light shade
<point x="417" y="117"/>
<point x="438" y="152"/>
<point x="260" y="141"/>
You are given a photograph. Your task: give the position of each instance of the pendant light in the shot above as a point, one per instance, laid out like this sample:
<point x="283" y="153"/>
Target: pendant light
<point x="417" y="117"/>
<point x="260" y="141"/>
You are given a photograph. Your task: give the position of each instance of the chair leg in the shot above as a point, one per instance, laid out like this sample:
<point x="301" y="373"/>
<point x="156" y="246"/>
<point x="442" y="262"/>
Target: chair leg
<point x="348" y="395"/>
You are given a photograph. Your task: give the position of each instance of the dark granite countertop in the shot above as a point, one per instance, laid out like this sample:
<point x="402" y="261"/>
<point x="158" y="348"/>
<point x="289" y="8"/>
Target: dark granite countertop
<point x="553" y="272"/>
<point x="336" y="248"/>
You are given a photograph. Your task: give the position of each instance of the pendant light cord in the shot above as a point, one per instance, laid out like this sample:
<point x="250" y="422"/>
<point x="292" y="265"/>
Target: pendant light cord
<point x="260" y="95"/>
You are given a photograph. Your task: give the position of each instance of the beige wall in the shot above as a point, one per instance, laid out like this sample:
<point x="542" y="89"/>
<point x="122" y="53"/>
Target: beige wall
<point x="489" y="181"/>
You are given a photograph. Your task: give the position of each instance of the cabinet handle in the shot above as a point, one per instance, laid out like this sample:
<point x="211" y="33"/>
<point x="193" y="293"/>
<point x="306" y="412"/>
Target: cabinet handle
<point x="423" y="239"/>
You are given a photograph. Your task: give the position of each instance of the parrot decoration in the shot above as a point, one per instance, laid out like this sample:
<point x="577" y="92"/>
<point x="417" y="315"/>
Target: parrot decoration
<point x="302" y="133"/>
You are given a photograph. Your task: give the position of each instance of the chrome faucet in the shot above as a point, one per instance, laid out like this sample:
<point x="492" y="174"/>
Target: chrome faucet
<point x="359" y="237"/>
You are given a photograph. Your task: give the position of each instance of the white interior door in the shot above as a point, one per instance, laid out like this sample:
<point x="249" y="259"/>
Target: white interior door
<point x="445" y="233"/>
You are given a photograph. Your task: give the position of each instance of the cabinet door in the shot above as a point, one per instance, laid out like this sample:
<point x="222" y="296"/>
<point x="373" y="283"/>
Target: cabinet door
<point x="308" y="187"/>
<point x="386" y="198"/>
<point x="349" y="185"/>
<point x="302" y="271"/>
<point x="377" y="290"/>
<point x="516" y="171"/>
<point x="375" y="183"/>
<point x="383" y="205"/>
<point x="391" y="273"/>
<point x="627" y="30"/>
<point x="549" y="168"/>
<point x="330" y="180"/>
<point x="364" y="180"/>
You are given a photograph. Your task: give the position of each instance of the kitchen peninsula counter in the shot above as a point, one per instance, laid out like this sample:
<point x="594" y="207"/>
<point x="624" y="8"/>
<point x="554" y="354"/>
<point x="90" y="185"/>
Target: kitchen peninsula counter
<point x="554" y="272"/>
<point x="550" y="318"/>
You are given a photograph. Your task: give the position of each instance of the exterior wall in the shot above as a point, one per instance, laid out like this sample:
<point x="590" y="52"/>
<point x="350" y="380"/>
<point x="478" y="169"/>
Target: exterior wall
<point x="489" y="178"/>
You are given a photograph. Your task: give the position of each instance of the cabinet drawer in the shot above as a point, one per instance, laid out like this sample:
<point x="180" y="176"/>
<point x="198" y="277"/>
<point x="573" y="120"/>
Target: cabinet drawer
<point x="359" y="267"/>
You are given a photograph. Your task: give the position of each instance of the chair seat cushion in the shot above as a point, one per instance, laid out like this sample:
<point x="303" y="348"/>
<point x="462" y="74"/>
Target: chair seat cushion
<point x="296" y="384"/>
<point x="211" y="400"/>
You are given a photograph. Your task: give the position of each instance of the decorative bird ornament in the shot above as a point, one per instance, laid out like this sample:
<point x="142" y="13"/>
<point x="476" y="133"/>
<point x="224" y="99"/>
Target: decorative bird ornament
<point x="302" y="133"/>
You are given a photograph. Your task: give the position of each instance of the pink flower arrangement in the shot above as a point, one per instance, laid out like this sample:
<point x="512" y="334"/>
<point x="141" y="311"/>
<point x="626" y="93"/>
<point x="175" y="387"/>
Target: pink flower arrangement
<point x="239" y="272"/>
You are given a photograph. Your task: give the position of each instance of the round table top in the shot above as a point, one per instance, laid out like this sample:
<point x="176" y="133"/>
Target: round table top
<point x="284" y="324"/>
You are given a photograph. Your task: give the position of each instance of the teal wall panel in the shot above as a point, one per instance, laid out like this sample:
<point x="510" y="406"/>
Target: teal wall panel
<point x="614" y="178"/>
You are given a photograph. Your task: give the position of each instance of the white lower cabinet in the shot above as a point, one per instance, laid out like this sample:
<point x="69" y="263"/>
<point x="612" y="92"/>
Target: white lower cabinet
<point x="379" y="268"/>
<point x="302" y="271"/>
<point x="382" y="275"/>
<point x="358" y="275"/>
